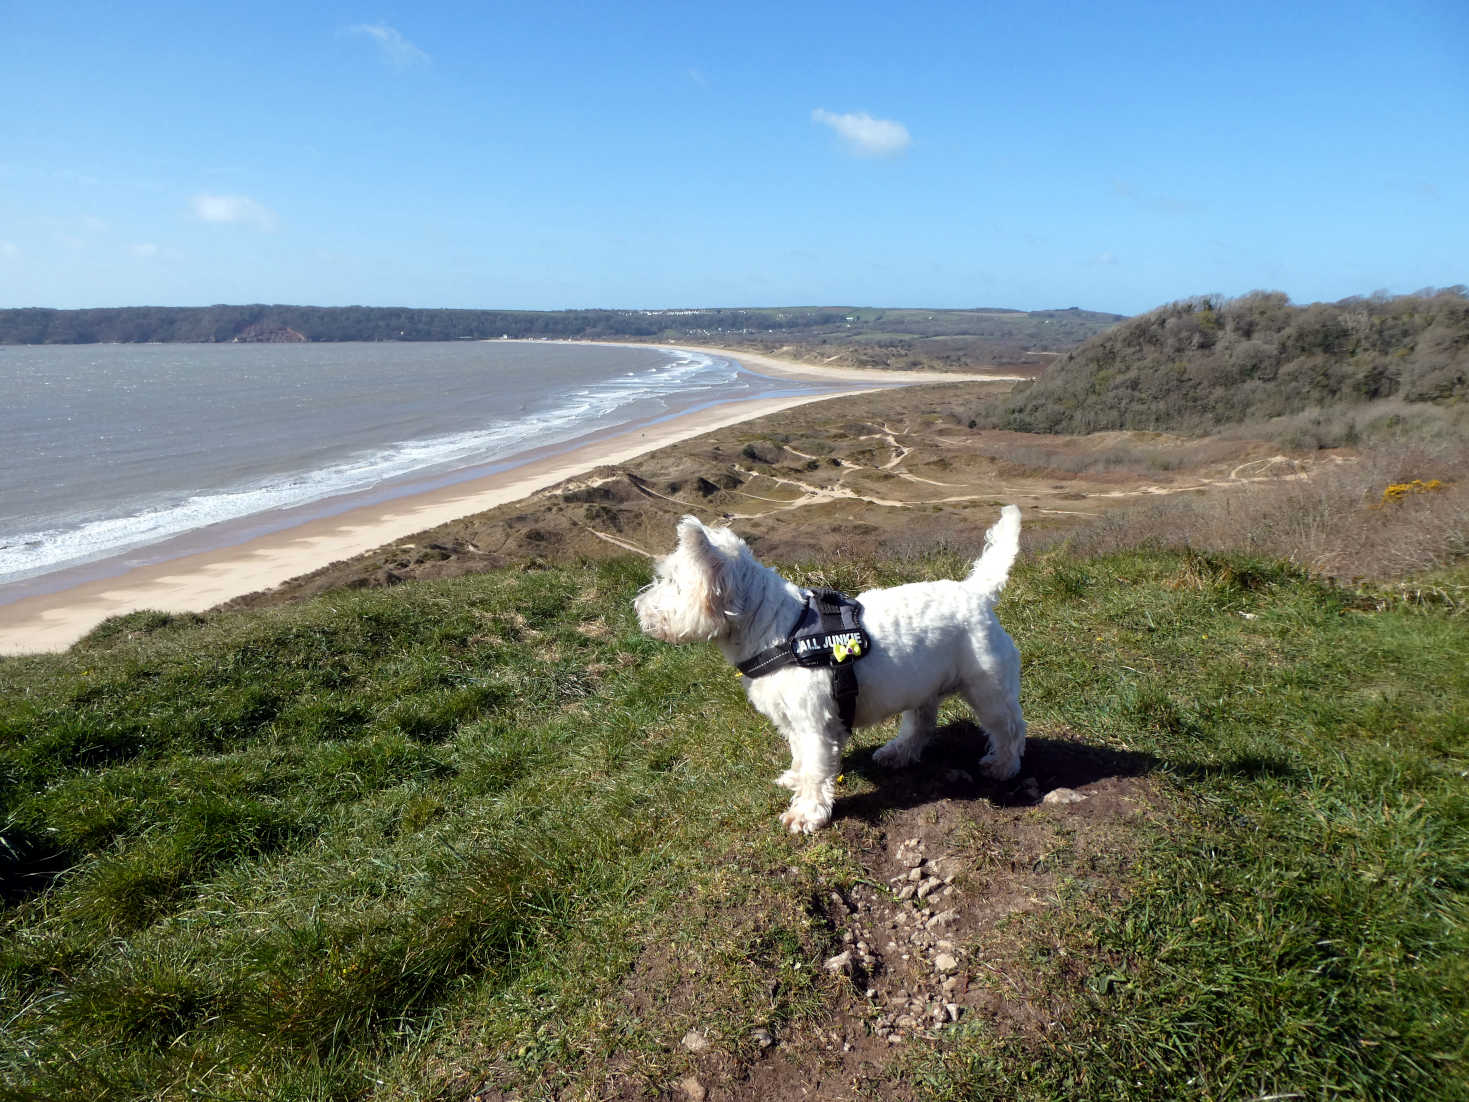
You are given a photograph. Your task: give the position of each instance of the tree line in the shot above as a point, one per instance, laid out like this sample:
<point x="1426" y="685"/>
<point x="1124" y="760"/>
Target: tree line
<point x="207" y="324"/>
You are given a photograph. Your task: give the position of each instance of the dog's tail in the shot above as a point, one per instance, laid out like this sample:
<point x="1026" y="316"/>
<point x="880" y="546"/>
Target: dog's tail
<point x="1001" y="545"/>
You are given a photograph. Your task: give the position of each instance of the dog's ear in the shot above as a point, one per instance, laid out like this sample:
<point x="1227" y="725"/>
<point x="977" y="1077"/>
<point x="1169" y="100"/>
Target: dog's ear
<point x="713" y="568"/>
<point x="691" y="533"/>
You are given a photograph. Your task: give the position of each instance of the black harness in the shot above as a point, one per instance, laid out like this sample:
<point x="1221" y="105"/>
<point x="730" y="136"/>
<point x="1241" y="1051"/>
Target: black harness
<point x="828" y="632"/>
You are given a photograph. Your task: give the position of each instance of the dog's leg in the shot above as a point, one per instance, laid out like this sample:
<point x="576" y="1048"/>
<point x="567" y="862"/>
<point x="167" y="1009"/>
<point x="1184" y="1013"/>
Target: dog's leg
<point x="788" y="779"/>
<point x="914" y="731"/>
<point x="815" y="764"/>
<point x="999" y="715"/>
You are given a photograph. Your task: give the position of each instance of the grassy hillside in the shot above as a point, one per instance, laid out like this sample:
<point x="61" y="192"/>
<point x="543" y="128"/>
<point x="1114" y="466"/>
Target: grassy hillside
<point x="1198" y="364"/>
<point x="480" y="835"/>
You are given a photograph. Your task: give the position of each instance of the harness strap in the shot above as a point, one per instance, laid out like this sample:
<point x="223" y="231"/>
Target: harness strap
<point x="834" y="615"/>
<point x="829" y="614"/>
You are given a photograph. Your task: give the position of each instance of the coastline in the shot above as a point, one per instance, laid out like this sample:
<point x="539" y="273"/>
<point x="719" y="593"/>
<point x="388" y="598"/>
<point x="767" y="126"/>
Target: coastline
<point x="199" y="580"/>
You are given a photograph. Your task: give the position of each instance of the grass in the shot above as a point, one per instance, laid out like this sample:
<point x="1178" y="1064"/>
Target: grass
<point x="1304" y="934"/>
<point x="404" y="843"/>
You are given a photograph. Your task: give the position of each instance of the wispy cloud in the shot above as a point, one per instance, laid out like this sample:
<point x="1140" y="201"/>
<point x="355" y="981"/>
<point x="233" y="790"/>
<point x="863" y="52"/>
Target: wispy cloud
<point x="144" y="250"/>
<point x="233" y="208"/>
<point x="9" y="249"/>
<point x="394" y="49"/>
<point x="864" y="135"/>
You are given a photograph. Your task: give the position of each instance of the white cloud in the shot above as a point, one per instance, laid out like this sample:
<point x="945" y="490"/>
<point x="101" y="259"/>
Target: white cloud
<point x="233" y="208"/>
<point x="864" y="135"/>
<point x="396" y="50"/>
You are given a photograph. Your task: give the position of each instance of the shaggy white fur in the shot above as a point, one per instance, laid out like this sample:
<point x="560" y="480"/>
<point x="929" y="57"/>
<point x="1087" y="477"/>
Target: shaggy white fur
<point x="929" y="640"/>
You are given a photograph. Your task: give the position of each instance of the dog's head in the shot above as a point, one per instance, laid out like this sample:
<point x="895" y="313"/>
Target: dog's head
<point x="694" y="594"/>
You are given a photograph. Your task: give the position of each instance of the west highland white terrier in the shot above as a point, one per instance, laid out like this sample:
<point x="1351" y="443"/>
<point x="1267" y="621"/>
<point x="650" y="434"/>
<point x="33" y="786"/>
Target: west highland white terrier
<point x="923" y="642"/>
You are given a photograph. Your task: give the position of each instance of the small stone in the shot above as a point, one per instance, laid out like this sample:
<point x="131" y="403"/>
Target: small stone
<point x="908" y="890"/>
<point x="928" y="887"/>
<point x="915" y="875"/>
<point x="950" y="985"/>
<point x="953" y="1010"/>
<point x="906" y="1021"/>
<point x="945" y="962"/>
<point x="762" y="1037"/>
<point x="1063" y="796"/>
<point x="695" y="1041"/>
<point x="842" y="962"/>
<point x="946" y="945"/>
<point x="944" y="918"/>
<point x="692" y="1088"/>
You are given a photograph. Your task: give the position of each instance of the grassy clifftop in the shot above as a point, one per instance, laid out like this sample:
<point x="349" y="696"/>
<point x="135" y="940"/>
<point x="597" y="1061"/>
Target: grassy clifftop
<point x="480" y="835"/>
<point x="1202" y="363"/>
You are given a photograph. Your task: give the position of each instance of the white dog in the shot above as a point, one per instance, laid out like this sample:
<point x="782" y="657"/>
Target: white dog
<point x="928" y="640"/>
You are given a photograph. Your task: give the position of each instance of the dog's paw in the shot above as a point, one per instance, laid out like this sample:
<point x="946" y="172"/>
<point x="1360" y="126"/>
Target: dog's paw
<point x="787" y="779"/>
<point x="897" y="754"/>
<point x="997" y="768"/>
<point x="805" y="817"/>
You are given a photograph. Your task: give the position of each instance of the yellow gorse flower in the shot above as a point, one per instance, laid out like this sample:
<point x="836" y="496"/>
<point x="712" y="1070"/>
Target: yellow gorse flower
<point x="1397" y="491"/>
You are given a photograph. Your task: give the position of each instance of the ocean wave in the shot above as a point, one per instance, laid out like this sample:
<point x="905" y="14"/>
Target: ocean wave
<point x="687" y="376"/>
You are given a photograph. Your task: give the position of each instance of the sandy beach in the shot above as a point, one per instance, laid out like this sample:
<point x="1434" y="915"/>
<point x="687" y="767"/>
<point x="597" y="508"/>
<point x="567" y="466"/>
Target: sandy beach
<point x="198" y="580"/>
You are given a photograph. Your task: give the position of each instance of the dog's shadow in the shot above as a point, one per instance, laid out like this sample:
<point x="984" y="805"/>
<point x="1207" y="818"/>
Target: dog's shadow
<point x="950" y="770"/>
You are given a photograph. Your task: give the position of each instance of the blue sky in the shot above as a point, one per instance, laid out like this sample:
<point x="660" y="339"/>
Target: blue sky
<point x="558" y="155"/>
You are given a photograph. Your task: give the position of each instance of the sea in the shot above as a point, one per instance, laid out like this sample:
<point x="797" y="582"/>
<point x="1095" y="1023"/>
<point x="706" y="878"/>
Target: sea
<point x="112" y="452"/>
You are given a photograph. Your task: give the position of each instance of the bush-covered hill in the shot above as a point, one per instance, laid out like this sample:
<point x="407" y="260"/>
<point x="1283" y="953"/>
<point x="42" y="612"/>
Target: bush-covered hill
<point x="1201" y="363"/>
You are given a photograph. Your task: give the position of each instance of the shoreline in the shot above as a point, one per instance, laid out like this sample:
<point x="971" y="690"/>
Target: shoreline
<point x="194" y="581"/>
